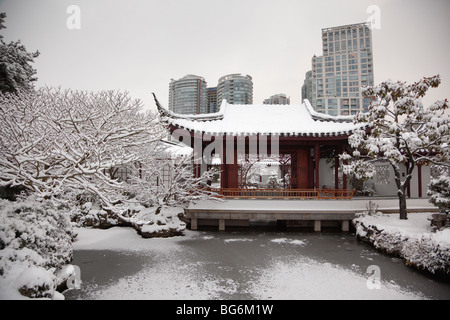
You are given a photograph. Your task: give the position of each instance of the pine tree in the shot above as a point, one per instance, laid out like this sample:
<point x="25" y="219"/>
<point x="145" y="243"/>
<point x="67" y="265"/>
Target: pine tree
<point x="16" y="72"/>
<point x="399" y="130"/>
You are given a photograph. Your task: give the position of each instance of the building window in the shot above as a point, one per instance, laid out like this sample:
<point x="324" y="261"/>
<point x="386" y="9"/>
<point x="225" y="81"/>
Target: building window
<point x="332" y="104"/>
<point x="333" y="112"/>
<point x="366" y="103"/>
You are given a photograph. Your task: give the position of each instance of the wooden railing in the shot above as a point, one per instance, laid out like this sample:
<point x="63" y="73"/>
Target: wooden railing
<point x="284" y="193"/>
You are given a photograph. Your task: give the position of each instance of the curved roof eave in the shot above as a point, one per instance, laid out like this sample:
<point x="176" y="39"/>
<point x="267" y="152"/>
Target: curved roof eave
<point x="197" y="117"/>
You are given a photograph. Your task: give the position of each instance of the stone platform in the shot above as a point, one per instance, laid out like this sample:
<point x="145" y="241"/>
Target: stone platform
<point x="238" y="212"/>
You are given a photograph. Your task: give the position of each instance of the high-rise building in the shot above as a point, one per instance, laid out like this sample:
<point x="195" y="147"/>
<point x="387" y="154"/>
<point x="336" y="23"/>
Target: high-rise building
<point x="307" y="87"/>
<point x="211" y="100"/>
<point x="188" y="95"/>
<point x="278" y="99"/>
<point x="236" y="89"/>
<point x="345" y="66"/>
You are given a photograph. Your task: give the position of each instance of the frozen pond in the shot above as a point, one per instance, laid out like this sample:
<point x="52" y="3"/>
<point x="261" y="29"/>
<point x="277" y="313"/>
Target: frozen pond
<point x="255" y="264"/>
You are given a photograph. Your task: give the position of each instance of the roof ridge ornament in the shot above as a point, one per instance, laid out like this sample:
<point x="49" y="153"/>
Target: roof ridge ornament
<point x="325" y="117"/>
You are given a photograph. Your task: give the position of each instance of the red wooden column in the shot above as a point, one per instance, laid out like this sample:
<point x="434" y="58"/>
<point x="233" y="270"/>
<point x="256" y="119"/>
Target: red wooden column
<point x="419" y="173"/>
<point x="198" y="153"/>
<point x="317" y="160"/>
<point x="303" y="169"/>
<point x="230" y="171"/>
<point x="223" y="167"/>
<point x="311" y="171"/>
<point x="233" y="173"/>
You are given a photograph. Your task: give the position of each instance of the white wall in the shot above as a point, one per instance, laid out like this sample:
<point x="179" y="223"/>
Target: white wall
<point x="326" y="173"/>
<point x="390" y="189"/>
<point x="326" y="177"/>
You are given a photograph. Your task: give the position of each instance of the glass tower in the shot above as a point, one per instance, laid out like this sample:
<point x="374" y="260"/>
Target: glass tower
<point x="188" y="95"/>
<point x="344" y="68"/>
<point x="211" y="97"/>
<point x="236" y="89"/>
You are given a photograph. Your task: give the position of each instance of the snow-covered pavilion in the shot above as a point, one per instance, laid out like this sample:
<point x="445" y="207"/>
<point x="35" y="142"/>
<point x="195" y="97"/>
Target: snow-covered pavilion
<point x="309" y="140"/>
<point x="294" y="130"/>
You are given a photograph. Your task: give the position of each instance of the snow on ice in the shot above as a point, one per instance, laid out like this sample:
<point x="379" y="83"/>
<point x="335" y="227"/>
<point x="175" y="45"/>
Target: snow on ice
<point x="298" y="277"/>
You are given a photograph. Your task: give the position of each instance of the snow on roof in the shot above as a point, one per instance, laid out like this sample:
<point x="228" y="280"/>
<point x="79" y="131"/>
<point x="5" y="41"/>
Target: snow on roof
<point x="243" y="120"/>
<point x="176" y="149"/>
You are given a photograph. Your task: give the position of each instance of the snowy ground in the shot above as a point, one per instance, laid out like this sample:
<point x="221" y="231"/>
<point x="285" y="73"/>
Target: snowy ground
<point x="215" y="265"/>
<point x="416" y="224"/>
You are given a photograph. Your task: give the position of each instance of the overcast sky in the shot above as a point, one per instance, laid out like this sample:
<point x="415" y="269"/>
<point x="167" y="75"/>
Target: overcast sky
<point x="139" y="45"/>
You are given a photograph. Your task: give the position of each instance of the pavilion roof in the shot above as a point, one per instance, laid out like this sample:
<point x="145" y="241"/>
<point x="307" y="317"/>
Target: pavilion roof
<point x="245" y="120"/>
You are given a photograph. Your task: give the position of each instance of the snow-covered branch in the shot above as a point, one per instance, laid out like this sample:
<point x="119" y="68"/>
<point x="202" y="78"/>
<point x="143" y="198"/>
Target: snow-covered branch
<point x="52" y="140"/>
<point x="163" y="180"/>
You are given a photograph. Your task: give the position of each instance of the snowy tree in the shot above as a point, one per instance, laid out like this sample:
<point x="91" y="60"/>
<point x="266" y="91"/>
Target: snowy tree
<point x="16" y="72"/>
<point x="68" y="147"/>
<point x="54" y="141"/>
<point x="164" y="180"/>
<point x="439" y="192"/>
<point x="272" y="182"/>
<point x="159" y="186"/>
<point x="399" y="130"/>
<point x="249" y="170"/>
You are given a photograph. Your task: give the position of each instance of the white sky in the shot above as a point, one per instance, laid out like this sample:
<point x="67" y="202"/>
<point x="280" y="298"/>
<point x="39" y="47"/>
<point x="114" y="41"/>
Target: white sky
<point x="139" y="45"/>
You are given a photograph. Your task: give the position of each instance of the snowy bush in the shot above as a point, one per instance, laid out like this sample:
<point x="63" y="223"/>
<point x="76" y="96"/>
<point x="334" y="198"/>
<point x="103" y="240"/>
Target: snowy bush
<point x="92" y="215"/>
<point x="424" y="251"/>
<point x="387" y="242"/>
<point x="35" y="240"/>
<point x="166" y="223"/>
<point x="439" y="192"/>
<point x="273" y="182"/>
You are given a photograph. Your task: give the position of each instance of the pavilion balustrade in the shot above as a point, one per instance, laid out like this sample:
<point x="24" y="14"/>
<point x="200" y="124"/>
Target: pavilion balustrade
<point x="242" y="193"/>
